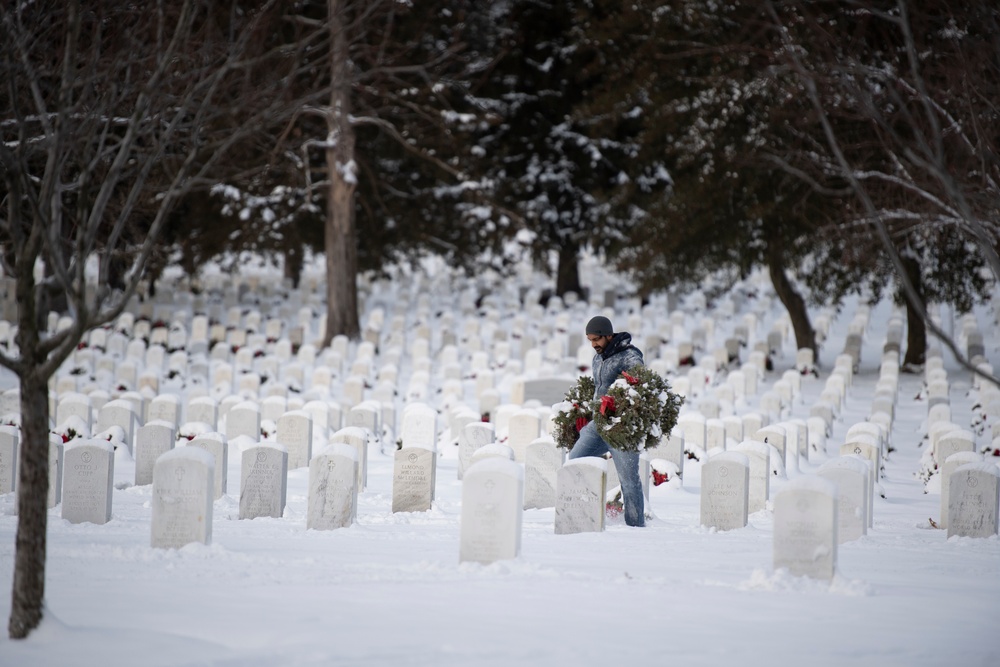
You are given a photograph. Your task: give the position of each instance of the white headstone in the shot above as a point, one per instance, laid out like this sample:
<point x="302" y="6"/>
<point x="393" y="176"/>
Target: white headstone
<point x="413" y="479"/>
<point x="56" y="458"/>
<point x="868" y="449"/>
<point x="121" y="413"/>
<point x="973" y="500"/>
<point x="542" y="461"/>
<point x="333" y="488"/>
<point x="74" y="405"/>
<point x="357" y="438"/>
<point x="182" y="498"/>
<point x="263" y="481"/>
<point x="850" y="474"/>
<point x="88" y="480"/>
<point x="523" y="428"/>
<point x="692" y="426"/>
<point x="9" y="438"/>
<point x="243" y="420"/>
<point x="419" y="426"/>
<point x="775" y="436"/>
<point x="203" y="409"/>
<point x="670" y="449"/>
<point x="153" y="439"/>
<point x="491" y="511"/>
<point x="759" y="454"/>
<point x="165" y="407"/>
<point x="475" y="435"/>
<point x="805" y="527"/>
<point x="581" y="486"/>
<point x="216" y="445"/>
<point x="295" y="433"/>
<point x="725" y="480"/>
<point x="951" y="464"/>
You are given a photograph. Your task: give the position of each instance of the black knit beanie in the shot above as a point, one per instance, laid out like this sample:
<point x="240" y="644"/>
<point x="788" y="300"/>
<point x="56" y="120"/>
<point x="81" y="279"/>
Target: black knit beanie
<point x="599" y="326"/>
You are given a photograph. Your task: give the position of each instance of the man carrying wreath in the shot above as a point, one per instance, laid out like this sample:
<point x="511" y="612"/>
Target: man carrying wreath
<point x="614" y="354"/>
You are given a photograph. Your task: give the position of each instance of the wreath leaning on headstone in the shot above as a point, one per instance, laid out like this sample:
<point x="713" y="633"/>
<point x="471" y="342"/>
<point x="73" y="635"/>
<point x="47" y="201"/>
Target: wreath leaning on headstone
<point x="638" y="408"/>
<point x="574" y="412"/>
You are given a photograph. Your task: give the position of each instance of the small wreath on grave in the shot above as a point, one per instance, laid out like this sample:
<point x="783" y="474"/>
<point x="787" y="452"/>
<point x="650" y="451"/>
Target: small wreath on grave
<point x="574" y="412"/>
<point x="638" y="408"/>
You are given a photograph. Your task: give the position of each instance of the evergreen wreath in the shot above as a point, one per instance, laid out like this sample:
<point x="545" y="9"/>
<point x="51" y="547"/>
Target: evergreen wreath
<point x="574" y="412"/>
<point x="638" y="408"/>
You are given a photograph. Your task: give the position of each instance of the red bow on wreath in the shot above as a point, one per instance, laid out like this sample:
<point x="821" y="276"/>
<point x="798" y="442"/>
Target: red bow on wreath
<point x="607" y="405"/>
<point x="631" y="379"/>
<point x="580" y="423"/>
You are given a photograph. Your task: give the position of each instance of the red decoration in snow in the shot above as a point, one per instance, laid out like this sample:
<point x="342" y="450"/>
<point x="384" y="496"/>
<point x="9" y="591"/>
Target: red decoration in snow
<point x="659" y="477"/>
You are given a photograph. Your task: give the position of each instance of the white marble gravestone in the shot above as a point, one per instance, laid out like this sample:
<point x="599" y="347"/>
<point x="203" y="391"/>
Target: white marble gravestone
<point x="725" y="488"/>
<point x="805" y="527"/>
<point x="692" y="427"/>
<point x="670" y="449"/>
<point x="243" y="420"/>
<point x="88" y="480"/>
<point x="56" y="463"/>
<point x="333" y="488"/>
<point x="775" y="436"/>
<point x="419" y="426"/>
<point x="461" y="417"/>
<point x="759" y="480"/>
<point x="523" y="428"/>
<point x="367" y="415"/>
<point x="356" y="437"/>
<point x="870" y="451"/>
<point x="953" y="442"/>
<point x="492" y="450"/>
<point x="295" y="433"/>
<point x="182" y="498"/>
<point x="165" y="407"/>
<point x="850" y="474"/>
<point x="715" y="434"/>
<point x="263" y="481"/>
<point x="153" y="438"/>
<point x="74" y="405"/>
<point x="216" y="445"/>
<point x="9" y="438"/>
<point x="542" y="461"/>
<point x="490" y="528"/>
<point x="322" y="418"/>
<point x="951" y="464"/>
<point x="973" y="499"/>
<point x="203" y="409"/>
<point x="272" y="407"/>
<point x="119" y="412"/>
<point x="413" y="479"/>
<point x="475" y="435"/>
<point x="581" y="486"/>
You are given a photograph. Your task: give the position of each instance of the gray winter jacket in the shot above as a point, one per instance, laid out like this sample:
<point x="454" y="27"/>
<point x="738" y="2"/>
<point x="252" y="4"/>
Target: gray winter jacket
<point x="620" y="355"/>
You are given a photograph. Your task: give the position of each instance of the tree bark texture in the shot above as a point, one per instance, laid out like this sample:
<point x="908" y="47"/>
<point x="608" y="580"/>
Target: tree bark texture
<point x="340" y="243"/>
<point x="28" y="590"/>
<point x="916" y="330"/>
<point x="568" y="271"/>
<point x="805" y="335"/>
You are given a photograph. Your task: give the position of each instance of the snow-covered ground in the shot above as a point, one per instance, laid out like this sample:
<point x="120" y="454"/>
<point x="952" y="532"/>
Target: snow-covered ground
<point x="390" y="590"/>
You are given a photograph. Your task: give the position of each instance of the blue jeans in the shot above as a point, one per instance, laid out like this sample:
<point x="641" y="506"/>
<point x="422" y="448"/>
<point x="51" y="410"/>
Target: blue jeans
<point x="627" y="463"/>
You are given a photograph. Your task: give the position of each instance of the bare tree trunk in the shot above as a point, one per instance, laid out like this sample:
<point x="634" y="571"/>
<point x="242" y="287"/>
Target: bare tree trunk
<point x="916" y="331"/>
<point x="341" y="253"/>
<point x="568" y="271"/>
<point x="28" y="591"/>
<point x="805" y="335"/>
